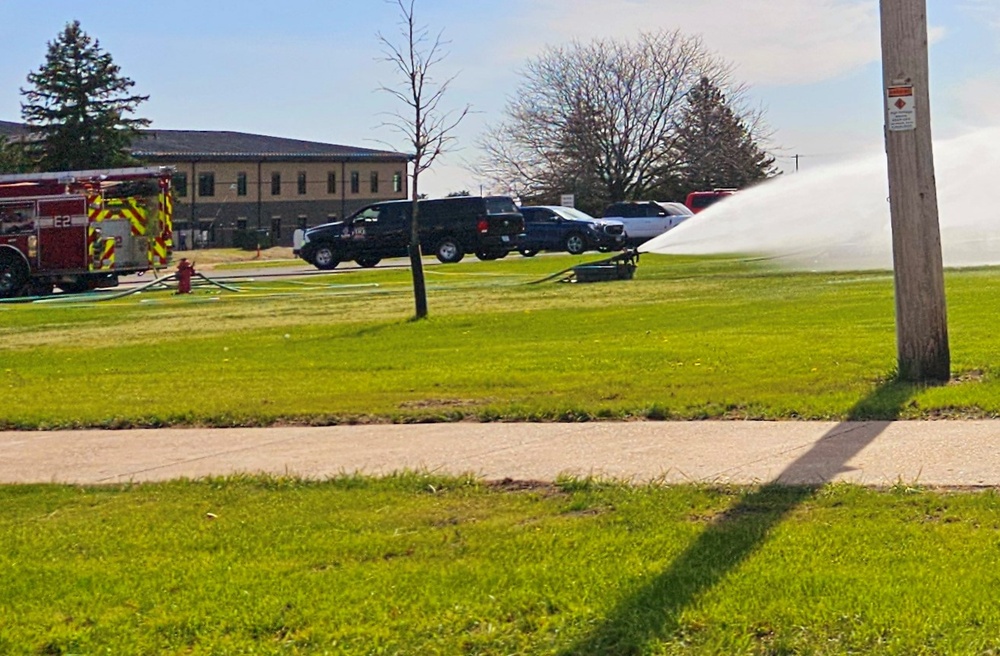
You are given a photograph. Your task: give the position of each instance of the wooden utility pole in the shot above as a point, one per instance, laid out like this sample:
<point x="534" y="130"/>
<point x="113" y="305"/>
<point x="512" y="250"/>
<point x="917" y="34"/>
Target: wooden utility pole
<point x="921" y="316"/>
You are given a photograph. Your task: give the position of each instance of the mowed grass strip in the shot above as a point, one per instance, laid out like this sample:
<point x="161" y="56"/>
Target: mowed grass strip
<point x="689" y="338"/>
<point x="416" y="564"/>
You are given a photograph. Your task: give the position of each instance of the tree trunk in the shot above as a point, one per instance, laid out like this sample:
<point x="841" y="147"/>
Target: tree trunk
<point x="416" y="261"/>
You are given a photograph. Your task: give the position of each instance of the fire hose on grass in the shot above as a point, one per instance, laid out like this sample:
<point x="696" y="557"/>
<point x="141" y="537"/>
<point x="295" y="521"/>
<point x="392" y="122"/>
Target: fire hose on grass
<point x="620" y="266"/>
<point x="88" y="296"/>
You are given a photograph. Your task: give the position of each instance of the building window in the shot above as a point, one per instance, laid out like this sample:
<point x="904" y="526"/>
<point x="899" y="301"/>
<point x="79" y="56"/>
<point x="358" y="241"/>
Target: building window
<point x="355" y="182"/>
<point x="301" y="181"/>
<point x="275" y="184"/>
<point x="374" y="182"/>
<point x="331" y="182"/>
<point x="180" y="183"/>
<point x="275" y="228"/>
<point x="206" y="184"/>
<point x="241" y="184"/>
<point x="397" y="182"/>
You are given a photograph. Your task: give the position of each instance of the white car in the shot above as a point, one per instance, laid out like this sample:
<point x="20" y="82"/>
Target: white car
<point x="645" y="219"/>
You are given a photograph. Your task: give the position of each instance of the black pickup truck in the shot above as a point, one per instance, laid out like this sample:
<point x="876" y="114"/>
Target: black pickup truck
<point x="449" y="227"/>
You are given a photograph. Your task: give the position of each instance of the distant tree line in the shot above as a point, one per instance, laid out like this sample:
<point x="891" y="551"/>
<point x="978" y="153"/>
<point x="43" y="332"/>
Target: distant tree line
<point x="608" y="120"/>
<point x="614" y="120"/>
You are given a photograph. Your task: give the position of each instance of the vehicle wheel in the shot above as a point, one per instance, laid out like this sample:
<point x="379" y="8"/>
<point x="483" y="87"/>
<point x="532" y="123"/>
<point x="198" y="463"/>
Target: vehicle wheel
<point x="449" y="251"/>
<point x="41" y="287"/>
<point x="13" y="275"/>
<point x="490" y="255"/>
<point x="324" y="258"/>
<point x="575" y="243"/>
<point x="75" y="286"/>
<point x="527" y="252"/>
<point x="368" y="262"/>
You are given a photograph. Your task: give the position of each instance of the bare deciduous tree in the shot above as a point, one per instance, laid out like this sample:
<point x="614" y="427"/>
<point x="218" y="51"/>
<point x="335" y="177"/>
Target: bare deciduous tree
<point x="426" y="127"/>
<point x="600" y="118"/>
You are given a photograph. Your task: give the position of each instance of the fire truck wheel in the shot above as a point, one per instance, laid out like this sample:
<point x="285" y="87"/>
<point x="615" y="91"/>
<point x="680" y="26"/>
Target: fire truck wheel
<point x="75" y="287"/>
<point x="13" y="275"/>
<point x="41" y="288"/>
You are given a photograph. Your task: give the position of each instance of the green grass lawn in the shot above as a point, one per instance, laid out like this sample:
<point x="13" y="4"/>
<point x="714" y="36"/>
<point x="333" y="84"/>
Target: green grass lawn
<point x="688" y="338"/>
<point x="417" y="564"/>
<point x="412" y="564"/>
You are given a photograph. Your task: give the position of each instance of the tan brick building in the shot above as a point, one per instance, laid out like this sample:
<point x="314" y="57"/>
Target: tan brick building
<point x="227" y="182"/>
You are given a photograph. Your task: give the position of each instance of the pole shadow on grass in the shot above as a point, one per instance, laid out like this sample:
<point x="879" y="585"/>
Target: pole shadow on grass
<point x="653" y="611"/>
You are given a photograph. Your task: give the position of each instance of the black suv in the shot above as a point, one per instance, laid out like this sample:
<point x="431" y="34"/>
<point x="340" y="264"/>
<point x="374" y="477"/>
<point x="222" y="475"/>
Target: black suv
<point x="449" y="227"/>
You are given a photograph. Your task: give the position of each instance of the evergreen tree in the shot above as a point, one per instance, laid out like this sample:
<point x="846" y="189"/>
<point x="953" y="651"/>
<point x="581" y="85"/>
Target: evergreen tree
<point x="716" y="147"/>
<point x="76" y="107"/>
<point x="13" y="156"/>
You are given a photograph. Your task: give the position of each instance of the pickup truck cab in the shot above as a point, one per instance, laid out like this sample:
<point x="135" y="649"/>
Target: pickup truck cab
<point x="696" y="201"/>
<point x="645" y="219"/>
<point x="448" y="227"/>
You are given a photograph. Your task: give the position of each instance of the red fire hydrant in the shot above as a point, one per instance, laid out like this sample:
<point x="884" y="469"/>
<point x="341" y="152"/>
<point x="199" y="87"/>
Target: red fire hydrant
<point x="185" y="270"/>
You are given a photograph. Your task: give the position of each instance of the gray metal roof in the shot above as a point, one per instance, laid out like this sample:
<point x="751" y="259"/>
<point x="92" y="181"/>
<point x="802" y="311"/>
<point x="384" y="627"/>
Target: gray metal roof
<point x="11" y="129"/>
<point x="164" y="145"/>
<point x="187" y="144"/>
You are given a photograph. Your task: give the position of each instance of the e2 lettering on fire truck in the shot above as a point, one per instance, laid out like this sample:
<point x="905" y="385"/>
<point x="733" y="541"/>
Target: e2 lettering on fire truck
<point x="81" y="230"/>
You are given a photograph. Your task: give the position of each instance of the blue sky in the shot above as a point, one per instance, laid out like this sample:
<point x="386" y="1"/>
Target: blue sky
<point x="310" y="69"/>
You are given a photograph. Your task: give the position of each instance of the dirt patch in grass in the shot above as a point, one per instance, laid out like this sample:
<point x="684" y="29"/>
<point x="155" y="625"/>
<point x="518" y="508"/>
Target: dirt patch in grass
<point x="210" y="257"/>
<point x="510" y="485"/>
<point x="972" y="376"/>
<point x="439" y="403"/>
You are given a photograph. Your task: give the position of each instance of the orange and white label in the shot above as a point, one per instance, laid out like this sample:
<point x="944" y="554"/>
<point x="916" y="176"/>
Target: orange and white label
<point x="901" y="109"/>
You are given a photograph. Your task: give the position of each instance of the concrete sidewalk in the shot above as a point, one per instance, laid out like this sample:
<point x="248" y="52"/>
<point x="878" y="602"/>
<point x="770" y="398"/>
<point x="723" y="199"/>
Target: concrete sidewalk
<point x="934" y="453"/>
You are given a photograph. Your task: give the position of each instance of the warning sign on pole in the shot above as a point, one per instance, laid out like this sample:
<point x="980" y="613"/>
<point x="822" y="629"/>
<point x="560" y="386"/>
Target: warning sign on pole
<point x="902" y="109"/>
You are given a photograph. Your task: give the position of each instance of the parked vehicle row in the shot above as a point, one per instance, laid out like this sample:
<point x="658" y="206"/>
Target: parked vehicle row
<point x="451" y="228"/>
<point x="489" y="227"/>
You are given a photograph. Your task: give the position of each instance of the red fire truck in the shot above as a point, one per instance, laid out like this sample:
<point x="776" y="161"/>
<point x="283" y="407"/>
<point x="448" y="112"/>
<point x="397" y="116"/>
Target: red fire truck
<point x="81" y="230"/>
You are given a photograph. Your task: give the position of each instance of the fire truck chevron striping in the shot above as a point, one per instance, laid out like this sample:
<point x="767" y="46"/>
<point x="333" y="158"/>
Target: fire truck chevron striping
<point x="163" y="243"/>
<point x="80" y="230"/>
<point x="99" y="209"/>
<point x="100" y="252"/>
